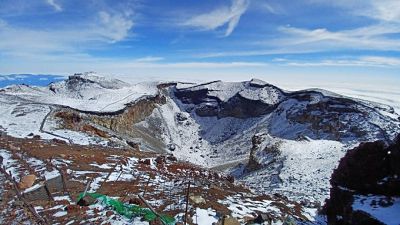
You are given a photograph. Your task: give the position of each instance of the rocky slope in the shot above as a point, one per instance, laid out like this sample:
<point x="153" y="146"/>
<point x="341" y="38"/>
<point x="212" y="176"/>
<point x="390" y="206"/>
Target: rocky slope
<point x="123" y="174"/>
<point x="316" y="114"/>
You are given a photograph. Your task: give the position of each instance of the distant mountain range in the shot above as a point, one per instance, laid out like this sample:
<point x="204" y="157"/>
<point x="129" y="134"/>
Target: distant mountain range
<point x="29" y="79"/>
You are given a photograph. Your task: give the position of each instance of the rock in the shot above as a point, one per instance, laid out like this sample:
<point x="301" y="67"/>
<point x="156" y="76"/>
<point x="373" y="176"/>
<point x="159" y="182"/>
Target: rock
<point x="289" y="221"/>
<point x="171" y="147"/>
<point x="248" y="219"/>
<point x="263" y="217"/>
<point x="160" y="160"/>
<point x="95" y="131"/>
<point x="230" y="179"/>
<point x="36" y="137"/>
<point x="19" y="203"/>
<point x="14" y="148"/>
<point x="109" y="213"/>
<point x="268" y="151"/>
<point x="181" y="117"/>
<point x="59" y="141"/>
<point x="72" y="208"/>
<point x="228" y="221"/>
<point x="135" y="201"/>
<point x="27" y="181"/>
<point x="133" y="144"/>
<point x="86" y="201"/>
<point x="172" y="158"/>
<point x="197" y="199"/>
<point x="145" y="161"/>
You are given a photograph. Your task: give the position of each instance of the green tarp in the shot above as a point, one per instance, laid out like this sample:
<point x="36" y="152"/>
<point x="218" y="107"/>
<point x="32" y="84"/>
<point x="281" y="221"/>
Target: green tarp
<point x="128" y="210"/>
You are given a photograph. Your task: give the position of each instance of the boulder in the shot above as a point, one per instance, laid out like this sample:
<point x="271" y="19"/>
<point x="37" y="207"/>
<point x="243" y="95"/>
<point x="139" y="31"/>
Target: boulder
<point x="86" y="201"/>
<point x="27" y="181"/>
<point x="197" y="199"/>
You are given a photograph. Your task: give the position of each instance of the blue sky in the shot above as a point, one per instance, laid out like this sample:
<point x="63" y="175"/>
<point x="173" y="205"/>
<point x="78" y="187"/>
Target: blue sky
<point x="193" y="38"/>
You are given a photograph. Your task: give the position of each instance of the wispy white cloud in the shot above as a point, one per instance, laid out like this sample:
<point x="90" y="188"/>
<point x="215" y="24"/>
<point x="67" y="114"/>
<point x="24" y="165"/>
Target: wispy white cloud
<point x="379" y="60"/>
<point x="149" y="59"/>
<point x="383" y="10"/>
<point x="108" y="27"/>
<point x="57" y="7"/>
<point x="388" y="10"/>
<point x="229" y="16"/>
<point x="364" y="38"/>
<point x="260" y="52"/>
<point x="269" y="7"/>
<point x="293" y="40"/>
<point x="364" y="61"/>
<point x="115" y="26"/>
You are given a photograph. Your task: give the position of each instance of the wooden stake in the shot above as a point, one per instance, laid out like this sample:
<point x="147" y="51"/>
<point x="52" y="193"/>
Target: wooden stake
<point x="151" y="208"/>
<point x="187" y="202"/>
<point x="147" y="184"/>
<point x="48" y="191"/>
<point x="87" y="188"/>
<point x="109" y="174"/>
<point x="63" y="179"/>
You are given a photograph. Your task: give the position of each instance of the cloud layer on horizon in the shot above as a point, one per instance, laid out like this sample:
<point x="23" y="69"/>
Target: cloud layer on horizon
<point x="246" y="34"/>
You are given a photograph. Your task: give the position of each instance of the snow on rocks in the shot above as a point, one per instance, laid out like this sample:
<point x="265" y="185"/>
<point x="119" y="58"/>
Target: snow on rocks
<point x="51" y="175"/>
<point x="22" y="119"/>
<point x="282" y="173"/>
<point x="11" y="164"/>
<point x="375" y="206"/>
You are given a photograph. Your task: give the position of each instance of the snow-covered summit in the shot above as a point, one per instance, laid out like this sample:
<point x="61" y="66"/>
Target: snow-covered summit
<point x="223" y="91"/>
<point x="94" y="78"/>
<point x="85" y="92"/>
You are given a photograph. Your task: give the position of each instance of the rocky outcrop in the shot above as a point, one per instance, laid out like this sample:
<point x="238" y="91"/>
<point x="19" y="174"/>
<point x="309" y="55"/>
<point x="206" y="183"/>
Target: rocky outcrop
<point x="123" y="121"/>
<point x="371" y="169"/>
<point x="78" y="81"/>
<point x="244" y="99"/>
<point x="317" y="114"/>
<point x="262" y="153"/>
<point x="107" y="124"/>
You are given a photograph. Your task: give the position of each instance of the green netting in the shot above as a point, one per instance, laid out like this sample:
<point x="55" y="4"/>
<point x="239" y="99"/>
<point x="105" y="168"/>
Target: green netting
<point x="128" y="210"/>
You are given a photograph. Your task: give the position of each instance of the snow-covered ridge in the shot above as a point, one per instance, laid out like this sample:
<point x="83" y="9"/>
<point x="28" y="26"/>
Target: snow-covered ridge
<point x="223" y="91"/>
<point x="86" y="92"/>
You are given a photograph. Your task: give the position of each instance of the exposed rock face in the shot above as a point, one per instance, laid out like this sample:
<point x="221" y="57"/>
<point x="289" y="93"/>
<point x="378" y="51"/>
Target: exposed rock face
<point x="314" y="113"/>
<point x="70" y="118"/>
<point x="263" y="153"/>
<point x="371" y="169"/>
<point x="77" y="82"/>
<point x="239" y="100"/>
<point x="123" y="122"/>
